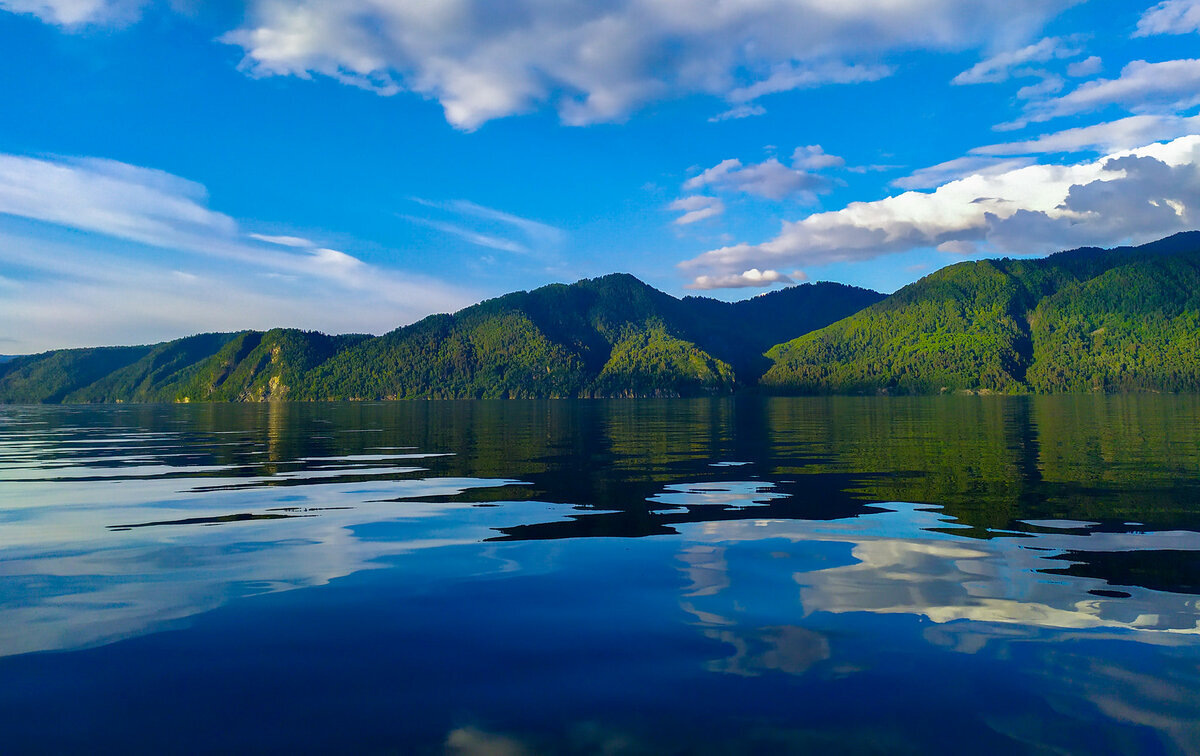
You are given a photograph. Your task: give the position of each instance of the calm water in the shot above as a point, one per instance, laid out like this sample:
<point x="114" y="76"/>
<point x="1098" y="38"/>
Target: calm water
<point x="951" y="575"/>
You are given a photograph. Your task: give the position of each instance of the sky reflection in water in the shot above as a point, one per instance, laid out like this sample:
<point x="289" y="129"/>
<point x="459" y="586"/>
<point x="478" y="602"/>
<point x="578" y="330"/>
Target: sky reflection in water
<point x="642" y="577"/>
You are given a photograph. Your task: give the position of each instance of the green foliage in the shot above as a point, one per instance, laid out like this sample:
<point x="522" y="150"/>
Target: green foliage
<point x="1086" y="320"/>
<point x="610" y="336"/>
<point x="52" y="376"/>
<point x="1133" y="328"/>
<point x="651" y="362"/>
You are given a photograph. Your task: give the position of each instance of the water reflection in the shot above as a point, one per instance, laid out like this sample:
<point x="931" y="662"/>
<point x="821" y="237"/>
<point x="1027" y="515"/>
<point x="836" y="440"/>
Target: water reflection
<point x="824" y="542"/>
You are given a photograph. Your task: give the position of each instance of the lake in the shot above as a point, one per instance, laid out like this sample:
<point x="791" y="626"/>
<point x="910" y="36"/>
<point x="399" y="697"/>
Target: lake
<point x="852" y="575"/>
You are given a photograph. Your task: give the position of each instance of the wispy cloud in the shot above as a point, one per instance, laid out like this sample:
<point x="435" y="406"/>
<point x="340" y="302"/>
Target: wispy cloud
<point x="491" y="228"/>
<point x="1109" y="136"/>
<point x="936" y="175"/>
<point x="474" y="237"/>
<point x="151" y="249"/>
<point x="1002" y="66"/>
<point x="283" y="241"/>
<point x="696" y="208"/>
<point x="738" y="112"/>
<point x="1166" y="87"/>
<point x="77" y="13"/>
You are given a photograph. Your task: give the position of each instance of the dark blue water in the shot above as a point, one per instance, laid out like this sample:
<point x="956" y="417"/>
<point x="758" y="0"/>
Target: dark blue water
<point x="950" y="575"/>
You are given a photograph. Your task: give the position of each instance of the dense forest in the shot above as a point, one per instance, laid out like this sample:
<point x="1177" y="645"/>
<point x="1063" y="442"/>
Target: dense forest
<point x="612" y="336"/>
<point x="1086" y="320"/>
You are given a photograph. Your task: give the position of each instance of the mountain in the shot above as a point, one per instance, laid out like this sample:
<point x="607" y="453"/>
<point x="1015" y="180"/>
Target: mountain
<point x="609" y="336"/>
<point x="1126" y="319"/>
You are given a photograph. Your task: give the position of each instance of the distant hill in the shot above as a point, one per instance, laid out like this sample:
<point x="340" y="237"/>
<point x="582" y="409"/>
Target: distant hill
<point x="609" y="336"/>
<point x="1126" y="319"/>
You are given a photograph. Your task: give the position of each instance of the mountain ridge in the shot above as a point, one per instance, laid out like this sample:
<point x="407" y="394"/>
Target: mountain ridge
<point x="1081" y="320"/>
<point x="608" y="336"/>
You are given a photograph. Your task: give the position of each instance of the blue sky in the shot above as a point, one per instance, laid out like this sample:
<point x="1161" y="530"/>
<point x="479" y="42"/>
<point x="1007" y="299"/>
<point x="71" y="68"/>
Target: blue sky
<point x="174" y="167"/>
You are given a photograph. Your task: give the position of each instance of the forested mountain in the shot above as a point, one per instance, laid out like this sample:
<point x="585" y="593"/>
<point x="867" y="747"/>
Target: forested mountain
<point x="1126" y="319"/>
<point x="609" y="336"/>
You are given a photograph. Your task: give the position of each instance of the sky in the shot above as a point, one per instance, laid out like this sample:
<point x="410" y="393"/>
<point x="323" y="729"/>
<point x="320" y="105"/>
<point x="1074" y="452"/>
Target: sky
<point x="168" y="168"/>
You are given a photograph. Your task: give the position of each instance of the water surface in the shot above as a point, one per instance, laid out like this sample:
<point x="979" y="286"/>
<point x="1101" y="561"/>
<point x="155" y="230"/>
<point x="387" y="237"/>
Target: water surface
<point x="982" y="574"/>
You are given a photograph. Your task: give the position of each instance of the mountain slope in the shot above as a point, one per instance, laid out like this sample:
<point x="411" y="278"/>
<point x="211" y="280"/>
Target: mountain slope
<point x="1084" y="320"/>
<point x="609" y="336"/>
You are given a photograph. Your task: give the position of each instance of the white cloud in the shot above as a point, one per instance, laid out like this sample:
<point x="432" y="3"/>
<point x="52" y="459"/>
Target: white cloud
<point x="472" y="236"/>
<point x="75" y="13"/>
<point x="535" y="230"/>
<point x="936" y="175"/>
<point x="786" y="78"/>
<point x="1170" y="17"/>
<point x="738" y="112"/>
<point x="283" y="241"/>
<point x="1087" y="67"/>
<point x="1050" y="84"/>
<point x="697" y="208"/>
<point x="813" y="157"/>
<point x="1128" y="196"/>
<point x="770" y="179"/>
<point x="1111" y="136"/>
<point x="491" y="228"/>
<point x="1142" y="87"/>
<point x="750" y="278"/>
<point x="1002" y="66"/>
<point x="958" y="247"/>
<point x="598" y="61"/>
<point x="155" y="262"/>
<point x="117" y="199"/>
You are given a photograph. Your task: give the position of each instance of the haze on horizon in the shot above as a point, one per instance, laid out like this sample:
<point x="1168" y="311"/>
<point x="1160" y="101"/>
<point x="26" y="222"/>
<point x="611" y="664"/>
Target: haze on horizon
<point x="174" y="167"/>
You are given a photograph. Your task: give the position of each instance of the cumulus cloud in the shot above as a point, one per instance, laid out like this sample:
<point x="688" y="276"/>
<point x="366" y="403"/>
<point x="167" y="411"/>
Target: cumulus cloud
<point x="698" y="207"/>
<point x="1128" y="196"/>
<point x="155" y="262"/>
<point x="747" y="279"/>
<point x="1003" y="66"/>
<point x="598" y="61"/>
<point x="1110" y="136"/>
<point x="1170" y="17"/>
<point x="75" y="13"/>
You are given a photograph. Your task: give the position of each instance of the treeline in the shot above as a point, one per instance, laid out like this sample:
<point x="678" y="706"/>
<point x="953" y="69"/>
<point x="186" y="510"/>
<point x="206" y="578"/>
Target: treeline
<point x="1086" y="320"/>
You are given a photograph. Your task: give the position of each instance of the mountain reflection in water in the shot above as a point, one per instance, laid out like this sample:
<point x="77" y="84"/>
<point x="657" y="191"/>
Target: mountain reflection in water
<point x="733" y="576"/>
